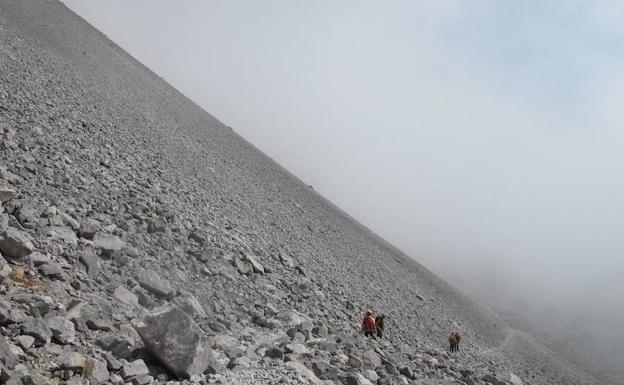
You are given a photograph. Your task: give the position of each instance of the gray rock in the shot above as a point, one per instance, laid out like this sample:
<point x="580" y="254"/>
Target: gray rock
<point x="274" y="352"/>
<point x="172" y="336"/>
<point x="88" y="228"/>
<point x="126" y="296"/>
<point x="62" y="234"/>
<point x="7" y="357"/>
<point x="99" y="324"/>
<point x="108" y="244"/>
<point x="256" y="266"/>
<point x="372" y="359"/>
<point x="188" y="303"/>
<point x="37" y="328"/>
<point x="52" y="270"/>
<point x="62" y="329"/>
<point x="491" y="379"/>
<point x="152" y="282"/>
<point x="72" y="360"/>
<point x="37" y="379"/>
<point x="70" y="221"/>
<point x="356" y="379"/>
<point x="90" y="260"/>
<point x="25" y="342"/>
<point x="6" y="192"/>
<point x="243" y="266"/>
<point x="515" y="380"/>
<point x="5" y="270"/>
<point x="134" y="368"/>
<point x="407" y="372"/>
<point x="15" y="243"/>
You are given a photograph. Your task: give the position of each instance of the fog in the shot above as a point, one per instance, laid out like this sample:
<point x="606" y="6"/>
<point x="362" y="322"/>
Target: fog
<point x="485" y="139"/>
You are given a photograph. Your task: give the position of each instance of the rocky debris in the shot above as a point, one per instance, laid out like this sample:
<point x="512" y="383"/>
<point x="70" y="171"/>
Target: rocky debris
<point x="108" y="244"/>
<point x="491" y="379"/>
<point x="255" y="265"/>
<point x="37" y="328"/>
<point x="133" y="369"/>
<point x="270" y="277"/>
<point x="6" y="192"/>
<point x="172" y="336"/>
<point x="7" y="356"/>
<point x="62" y="329"/>
<point x="152" y="282"/>
<point x="303" y="371"/>
<point x="5" y="270"/>
<point x="15" y="243"/>
<point x="189" y="304"/>
<point x="126" y="296"/>
<point x="72" y="360"/>
<point x="515" y="380"/>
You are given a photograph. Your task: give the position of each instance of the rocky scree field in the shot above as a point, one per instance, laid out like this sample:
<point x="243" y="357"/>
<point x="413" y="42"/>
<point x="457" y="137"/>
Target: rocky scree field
<point x="142" y="241"/>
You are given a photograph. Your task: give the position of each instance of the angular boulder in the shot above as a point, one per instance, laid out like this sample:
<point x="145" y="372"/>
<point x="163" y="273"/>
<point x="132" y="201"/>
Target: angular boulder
<point x="171" y="335"/>
<point x="15" y="243"/>
<point x="108" y="244"/>
<point x="152" y="282"/>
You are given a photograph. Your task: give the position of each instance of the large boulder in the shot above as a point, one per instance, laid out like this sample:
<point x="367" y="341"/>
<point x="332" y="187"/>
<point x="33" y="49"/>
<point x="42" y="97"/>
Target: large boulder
<point x="15" y="243"/>
<point x="171" y="335"/>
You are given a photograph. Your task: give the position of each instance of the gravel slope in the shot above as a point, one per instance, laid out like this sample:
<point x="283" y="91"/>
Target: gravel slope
<point x="115" y="174"/>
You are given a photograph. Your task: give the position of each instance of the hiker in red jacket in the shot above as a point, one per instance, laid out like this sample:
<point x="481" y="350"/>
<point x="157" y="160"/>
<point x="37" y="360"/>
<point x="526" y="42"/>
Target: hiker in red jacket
<point x="368" y="325"/>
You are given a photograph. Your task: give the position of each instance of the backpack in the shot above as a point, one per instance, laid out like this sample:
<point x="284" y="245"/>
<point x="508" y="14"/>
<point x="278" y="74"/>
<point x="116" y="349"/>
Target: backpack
<point x="452" y="339"/>
<point x="457" y="337"/>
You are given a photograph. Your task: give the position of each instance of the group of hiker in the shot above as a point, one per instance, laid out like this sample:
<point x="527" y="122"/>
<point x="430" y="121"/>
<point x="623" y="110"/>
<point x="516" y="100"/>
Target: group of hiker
<point x="374" y="326"/>
<point x="454" y="339"/>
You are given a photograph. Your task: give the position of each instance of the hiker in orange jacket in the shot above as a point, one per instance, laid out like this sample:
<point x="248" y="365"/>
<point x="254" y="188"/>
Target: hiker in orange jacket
<point x="368" y="324"/>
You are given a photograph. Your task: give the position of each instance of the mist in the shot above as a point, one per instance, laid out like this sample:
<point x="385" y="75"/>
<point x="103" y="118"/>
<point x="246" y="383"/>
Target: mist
<point x="484" y="139"/>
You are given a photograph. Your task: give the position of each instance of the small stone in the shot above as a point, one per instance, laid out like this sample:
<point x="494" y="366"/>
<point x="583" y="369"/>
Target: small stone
<point x="25" y="342"/>
<point x="98" y="324"/>
<point x="95" y="371"/>
<point x="15" y="243"/>
<point x="189" y="304"/>
<point x="256" y="266"/>
<point x="152" y="282"/>
<point x="88" y="228"/>
<point x="72" y="361"/>
<point x="7" y="356"/>
<point x="37" y="328"/>
<point x="52" y="270"/>
<point x="274" y="352"/>
<point x="108" y="244"/>
<point x="134" y="368"/>
<point x="63" y="330"/>
<point x="126" y="296"/>
<point x="37" y="379"/>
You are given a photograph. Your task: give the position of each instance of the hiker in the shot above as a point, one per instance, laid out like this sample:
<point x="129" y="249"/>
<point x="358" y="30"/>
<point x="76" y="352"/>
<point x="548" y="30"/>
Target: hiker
<point x="368" y="324"/>
<point x="379" y="325"/>
<point x="457" y="339"/>
<point x="452" y="342"/>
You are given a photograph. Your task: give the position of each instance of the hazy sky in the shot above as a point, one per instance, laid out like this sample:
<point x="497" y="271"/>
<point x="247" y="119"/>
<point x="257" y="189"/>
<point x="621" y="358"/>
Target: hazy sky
<point x="484" y="138"/>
